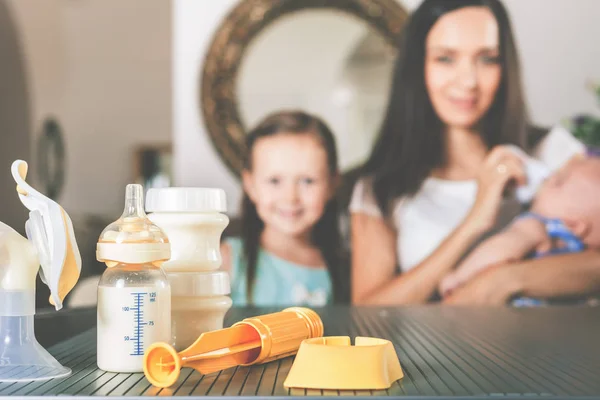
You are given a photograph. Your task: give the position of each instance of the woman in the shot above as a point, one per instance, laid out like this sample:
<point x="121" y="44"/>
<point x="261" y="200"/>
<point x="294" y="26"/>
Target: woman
<point x="436" y="179"/>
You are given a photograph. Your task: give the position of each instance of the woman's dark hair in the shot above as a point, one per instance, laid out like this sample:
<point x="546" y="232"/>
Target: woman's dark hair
<point x="412" y="140"/>
<point x="325" y="235"/>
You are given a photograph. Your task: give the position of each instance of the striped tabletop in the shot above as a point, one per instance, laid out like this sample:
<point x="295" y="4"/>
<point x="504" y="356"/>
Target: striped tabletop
<point x="444" y="351"/>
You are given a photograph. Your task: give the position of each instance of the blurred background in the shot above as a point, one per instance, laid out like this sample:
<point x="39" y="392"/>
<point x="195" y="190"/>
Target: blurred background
<point x="95" y="94"/>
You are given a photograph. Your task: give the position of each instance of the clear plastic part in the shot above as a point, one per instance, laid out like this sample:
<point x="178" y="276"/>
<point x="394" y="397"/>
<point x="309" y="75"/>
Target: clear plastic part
<point x="133" y="226"/>
<point x="134" y="311"/>
<point x="146" y="242"/>
<point x="22" y="358"/>
<point x="133" y="275"/>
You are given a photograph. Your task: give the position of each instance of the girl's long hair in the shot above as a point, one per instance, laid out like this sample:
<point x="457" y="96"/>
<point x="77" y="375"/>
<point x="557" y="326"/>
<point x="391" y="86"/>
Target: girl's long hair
<point x="325" y="234"/>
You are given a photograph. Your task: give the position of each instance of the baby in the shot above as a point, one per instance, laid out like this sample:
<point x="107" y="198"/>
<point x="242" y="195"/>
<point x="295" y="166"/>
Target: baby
<point x="564" y="218"/>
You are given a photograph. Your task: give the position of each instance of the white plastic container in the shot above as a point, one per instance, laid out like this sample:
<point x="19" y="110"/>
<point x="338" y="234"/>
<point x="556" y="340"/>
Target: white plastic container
<point x="193" y="220"/>
<point x="199" y="302"/>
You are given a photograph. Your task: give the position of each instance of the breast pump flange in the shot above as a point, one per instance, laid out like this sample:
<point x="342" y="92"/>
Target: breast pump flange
<point x="50" y="243"/>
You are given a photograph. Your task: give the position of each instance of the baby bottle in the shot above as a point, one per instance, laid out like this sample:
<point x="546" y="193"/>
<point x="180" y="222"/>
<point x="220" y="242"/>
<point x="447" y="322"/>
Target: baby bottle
<point x="536" y="173"/>
<point x="134" y="296"/>
<point x="194" y="221"/>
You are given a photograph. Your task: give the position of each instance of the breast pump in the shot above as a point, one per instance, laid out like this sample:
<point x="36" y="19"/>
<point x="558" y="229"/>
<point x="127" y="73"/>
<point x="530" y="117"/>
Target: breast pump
<point x="50" y="243"/>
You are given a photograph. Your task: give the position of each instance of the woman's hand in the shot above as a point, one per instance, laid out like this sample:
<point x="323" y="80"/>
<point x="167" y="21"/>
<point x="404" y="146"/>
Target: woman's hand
<point x="493" y="286"/>
<point x="500" y="167"/>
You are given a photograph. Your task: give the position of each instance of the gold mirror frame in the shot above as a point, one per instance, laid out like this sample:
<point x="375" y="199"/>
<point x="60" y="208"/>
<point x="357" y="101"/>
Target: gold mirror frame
<point x="218" y="98"/>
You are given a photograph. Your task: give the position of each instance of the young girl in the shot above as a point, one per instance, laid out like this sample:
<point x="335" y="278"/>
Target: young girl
<point x="290" y="249"/>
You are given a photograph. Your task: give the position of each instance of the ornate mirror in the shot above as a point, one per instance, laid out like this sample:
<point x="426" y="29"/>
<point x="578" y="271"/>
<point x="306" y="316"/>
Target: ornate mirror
<point x="333" y="58"/>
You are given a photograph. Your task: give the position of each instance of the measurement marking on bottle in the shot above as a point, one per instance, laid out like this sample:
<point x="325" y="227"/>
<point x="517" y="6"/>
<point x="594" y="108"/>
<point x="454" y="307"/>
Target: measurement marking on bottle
<point x="139" y="323"/>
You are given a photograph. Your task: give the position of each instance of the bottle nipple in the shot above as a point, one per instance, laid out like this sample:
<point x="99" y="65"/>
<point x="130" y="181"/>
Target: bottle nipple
<point x="133" y="238"/>
<point x="134" y="202"/>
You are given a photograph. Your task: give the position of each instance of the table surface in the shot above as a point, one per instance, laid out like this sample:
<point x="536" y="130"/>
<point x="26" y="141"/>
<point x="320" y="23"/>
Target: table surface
<point x="444" y="351"/>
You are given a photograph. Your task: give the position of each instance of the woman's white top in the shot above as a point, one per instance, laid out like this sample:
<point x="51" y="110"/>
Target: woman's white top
<point x="424" y="220"/>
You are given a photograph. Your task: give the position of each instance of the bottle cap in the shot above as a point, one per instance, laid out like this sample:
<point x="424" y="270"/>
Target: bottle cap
<point x="186" y="200"/>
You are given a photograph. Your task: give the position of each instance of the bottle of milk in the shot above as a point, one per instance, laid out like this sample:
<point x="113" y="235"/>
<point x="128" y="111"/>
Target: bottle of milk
<point x="134" y="296"/>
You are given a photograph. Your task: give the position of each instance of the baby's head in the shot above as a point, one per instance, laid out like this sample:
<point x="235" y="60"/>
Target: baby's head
<point x="573" y="194"/>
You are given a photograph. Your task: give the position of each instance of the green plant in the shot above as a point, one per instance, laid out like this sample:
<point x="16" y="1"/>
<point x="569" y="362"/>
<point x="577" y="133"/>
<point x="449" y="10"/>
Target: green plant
<point x="587" y="127"/>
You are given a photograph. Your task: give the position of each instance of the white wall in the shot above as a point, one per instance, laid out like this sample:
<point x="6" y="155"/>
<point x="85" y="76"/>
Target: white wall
<point x="104" y="68"/>
<point x="196" y="163"/>
<point x="557" y="43"/>
<point x="119" y="94"/>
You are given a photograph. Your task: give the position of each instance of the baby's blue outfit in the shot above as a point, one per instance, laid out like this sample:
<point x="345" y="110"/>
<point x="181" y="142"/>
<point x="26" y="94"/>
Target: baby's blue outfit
<point x="555" y="229"/>
<point x="278" y="282"/>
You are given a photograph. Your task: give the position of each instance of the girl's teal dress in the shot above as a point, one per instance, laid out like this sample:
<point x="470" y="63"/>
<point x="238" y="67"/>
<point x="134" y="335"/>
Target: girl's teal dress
<point x="278" y="282"/>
